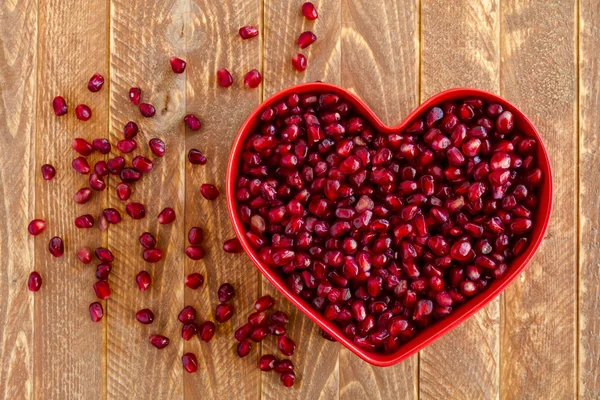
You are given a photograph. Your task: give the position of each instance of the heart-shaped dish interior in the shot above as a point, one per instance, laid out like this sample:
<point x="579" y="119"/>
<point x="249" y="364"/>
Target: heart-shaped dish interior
<point x="436" y="327"/>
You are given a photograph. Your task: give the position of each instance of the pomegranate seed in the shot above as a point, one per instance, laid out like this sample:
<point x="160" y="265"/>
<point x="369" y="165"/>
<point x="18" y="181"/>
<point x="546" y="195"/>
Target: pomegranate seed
<point x="195" y="235"/>
<point x="59" y="105"/>
<point x="126" y="145"/>
<point x="224" y="78"/>
<point x="157" y="147"/>
<point x="84" y="221"/>
<point x="96" y="311"/>
<point x="96" y="82"/>
<point x="103" y="271"/>
<point x="190" y="363"/>
<point x="286" y="345"/>
<point x="188" y="314"/>
<point x="280" y="317"/>
<point x="145" y="316"/>
<point x="243" y="348"/>
<point x="152" y="255"/>
<point x="85" y="255"/>
<point x="195" y="252"/>
<point x="82" y="196"/>
<point x="158" y="341"/>
<point x="48" y="172"/>
<point x="306" y="39"/>
<point x="232" y="246"/>
<point x="166" y="216"/>
<point x="189" y="330"/>
<point x="82" y="146"/>
<point x="96" y="182"/>
<point x="147" y="110"/>
<point x="135" y="210"/>
<point x="264" y="303"/>
<point x="196" y="157"/>
<point x="210" y="192"/>
<point x="259" y="334"/>
<point x="299" y="62"/>
<point x="104" y="255"/>
<point x="130" y="130"/>
<point x="34" y="283"/>
<point x="101" y="168"/>
<point x="206" y="331"/>
<point x="177" y="65"/>
<point x="83" y="112"/>
<point x="115" y="165"/>
<point x="225" y="292"/>
<point x="247" y="32"/>
<point x="111" y="215"/>
<point x="123" y="191"/>
<point x="129" y="175"/>
<point x="284" y="366"/>
<point x="102" y="290"/>
<point x="223" y="312"/>
<point x="267" y="362"/>
<point x="36" y="227"/>
<point x="143" y="280"/>
<point x="56" y="247"/>
<point x="252" y="79"/>
<point x="192" y="122"/>
<point x="288" y="379"/>
<point x="81" y="165"/>
<point x="194" y="281"/>
<point x="135" y="95"/>
<point x="309" y="11"/>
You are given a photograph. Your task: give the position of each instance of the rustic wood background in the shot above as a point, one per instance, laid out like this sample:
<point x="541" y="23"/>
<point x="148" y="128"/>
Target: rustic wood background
<point x="539" y="340"/>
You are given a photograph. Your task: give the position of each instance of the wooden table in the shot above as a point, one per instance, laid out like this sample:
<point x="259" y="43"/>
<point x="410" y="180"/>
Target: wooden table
<point x="539" y="340"/>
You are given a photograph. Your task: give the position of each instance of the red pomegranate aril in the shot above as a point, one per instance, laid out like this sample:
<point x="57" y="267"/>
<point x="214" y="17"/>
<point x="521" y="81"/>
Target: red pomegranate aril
<point x="34" y="283"/>
<point x="243" y="348"/>
<point x="152" y="255"/>
<point x="147" y="110"/>
<point x="135" y="210"/>
<point x="102" y="290"/>
<point x="288" y="379"/>
<point x="309" y="11"/>
<point x="257" y="319"/>
<point x="189" y="330"/>
<point x="96" y="182"/>
<point x="187" y="314"/>
<point x="81" y="165"/>
<point x="299" y="63"/>
<point x="192" y="122"/>
<point x="252" y="79"/>
<point x="196" y="157"/>
<point x="82" y="146"/>
<point x="112" y="215"/>
<point x="243" y="332"/>
<point x="123" y="191"/>
<point x="286" y="345"/>
<point x="101" y="168"/>
<point x="95" y="83"/>
<point x="247" y="32"/>
<point x="104" y="255"/>
<point x="157" y="146"/>
<point x="135" y="95"/>
<point x="158" y="341"/>
<point x="267" y="362"/>
<point x="209" y="192"/>
<point x="284" y="366"/>
<point x="306" y="39"/>
<point x="56" y="247"/>
<point x="145" y="316"/>
<point x="36" y="227"/>
<point x="225" y="292"/>
<point x="190" y="362"/>
<point x="126" y="145"/>
<point x="48" y="172"/>
<point x="264" y="303"/>
<point x="130" y="130"/>
<point x="147" y="240"/>
<point x="194" y="280"/>
<point x="84" y="255"/>
<point x="224" y="78"/>
<point x="195" y="235"/>
<point x="206" y="331"/>
<point x="195" y="252"/>
<point x="96" y="311"/>
<point x="129" y="175"/>
<point x="103" y="271"/>
<point x="59" y="105"/>
<point x="223" y="312"/>
<point x="505" y="122"/>
<point x="84" y="221"/>
<point x="143" y="280"/>
<point x="83" y="112"/>
<point x="177" y="65"/>
<point x="259" y="334"/>
<point x="166" y="216"/>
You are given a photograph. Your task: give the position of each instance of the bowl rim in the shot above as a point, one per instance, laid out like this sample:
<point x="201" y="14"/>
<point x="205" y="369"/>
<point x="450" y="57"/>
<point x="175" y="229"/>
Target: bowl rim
<point x="464" y="311"/>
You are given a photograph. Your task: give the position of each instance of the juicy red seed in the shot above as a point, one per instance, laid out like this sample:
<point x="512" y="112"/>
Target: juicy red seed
<point x="143" y="280"/>
<point x="96" y="182"/>
<point x="288" y="379"/>
<point x="102" y="290"/>
<point x="84" y="221"/>
<point x="166" y="216"/>
<point x="192" y="122"/>
<point x="115" y="165"/>
<point x="59" y="105"/>
<point x="96" y="82"/>
<point x="34" y="283"/>
<point x="194" y="280"/>
<point x="158" y="341"/>
<point x="129" y="175"/>
<point x="36" y="227"/>
<point x="190" y="363"/>
<point x="247" y="32"/>
<point x="299" y="62"/>
<point x="123" y="191"/>
<point x="189" y="330"/>
<point x="306" y="39"/>
<point x="48" y="172"/>
<point x="280" y="317"/>
<point x="284" y="366"/>
<point x="135" y="210"/>
<point x="210" y="192"/>
<point x="130" y="130"/>
<point x="85" y="255"/>
<point x="224" y="78"/>
<point x="103" y="271"/>
<point x="96" y="311"/>
<point x="196" y="157"/>
<point x="81" y="165"/>
<point x="145" y="316"/>
<point x="83" y="112"/>
<point x="243" y="332"/>
<point x="187" y="314"/>
<point x="101" y="168"/>
<point x="147" y="110"/>
<point x="243" y="348"/>
<point x="104" y="255"/>
<point x="264" y="303"/>
<point x="309" y="11"/>
<point x="56" y="247"/>
<point x="135" y="95"/>
<point x="157" y="147"/>
<point x="152" y="255"/>
<point x="223" y="312"/>
<point x="177" y="65"/>
<point x="111" y="215"/>
<point x="286" y="345"/>
<point x="195" y="252"/>
<point x="82" y="196"/>
<point x="225" y="292"/>
<point x="82" y="146"/>
<point x="126" y="145"/>
<point x="206" y="331"/>
<point x="267" y="362"/>
<point x="252" y="79"/>
<point x="147" y="240"/>
<point x="233" y="246"/>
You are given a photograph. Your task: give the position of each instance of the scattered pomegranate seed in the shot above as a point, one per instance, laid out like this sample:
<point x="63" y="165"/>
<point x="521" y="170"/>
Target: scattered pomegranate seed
<point x="147" y="110"/>
<point x="306" y="39"/>
<point x="195" y="252"/>
<point x="299" y="62"/>
<point x="36" y="227"/>
<point x="135" y="210"/>
<point x="85" y="255"/>
<point x="157" y="147"/>
<point x="190" y="363"/>
<point x="288" y="379"/>
<point x="206" y="331"/>
<point x="189" y="330"/>
<point x="130" y="130"/>
<point x="309" y="11"/>
<point x="83" y="112"/>
<point x="267" y="362"/>
<point x="101" y="168"/>
<point x="196" y="157"/>
<point x="96" y="311"/>
<point x="145" y="316"/>
<point x="103" y="271"/>
<point x="143" y="280"/>
<point x="187" y="314"/>
<point x="280" y="317"/>
<point x="152" y="255"/>
<point x="247" y="32"/>
<point x="82" y="146"/>
<point x="225" y="292"/>
<point x="56" y="247"/>
<point x="96" y="182"/>
<point x="48" y="172"/>
<point x="126" y="145"/>
<point x="104" y="254"/>
<point x="177" y="65"/>
<point x="194" y="280"/>
<point x="147" y="240"/>
<point x="259" y="334"/>
<point x="224" y="78"/>
<point x="243" y="348"/>
<point x="81" y="165"/>
<point x="34" y="283"/>
<point x="252" y="79"/>
<point x="264" y="303"/>
<point x="135" y="95"/>
<point x="192" y="122"/>
<point x="286" y="345"/>
<point x="112" y="215"/>
<point x="85" y="221"/>
<point x="284" y="366"/>
<point x="115" y="165"/>
<point x="158" y="341"/>
<point x="129" y="175"/>
<point x="123" y="191"/>
<point x="223" y="312"/>
<point x="102" y="290"/>
<point x="82" y="196"/>
<point x="59" y="105"/>
<point x="96" y="82"/>
<point x="243" y="332"/>
<point x="232" y="246"/>
<point x="210" y="192"/>
<point x="195" y="235"/>
<point x="166" y="216"/>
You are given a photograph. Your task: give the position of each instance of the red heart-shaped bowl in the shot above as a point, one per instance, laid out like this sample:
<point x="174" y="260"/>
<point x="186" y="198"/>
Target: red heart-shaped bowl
<point x="441" y="327"/>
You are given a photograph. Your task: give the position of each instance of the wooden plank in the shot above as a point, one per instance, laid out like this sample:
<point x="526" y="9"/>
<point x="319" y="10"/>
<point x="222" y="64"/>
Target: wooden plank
<point x="382" y="67"/>
<point x="69" y="347"/>
<point x="17" y="146"/>
<point x="589" y="271"/>
<point x="539" y="310"/>
<point x="213" y="44"/>
<point x="461" y="48"/>
<point x="144" y="35"/>
<point x="316" y="360"/>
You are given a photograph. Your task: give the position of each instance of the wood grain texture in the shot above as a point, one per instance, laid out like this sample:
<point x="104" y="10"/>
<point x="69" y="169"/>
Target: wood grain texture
<point x="461" y="48"/>
<point x="589" y="215"/>
<point x="18" y="170"/>
<point x="214" y="43"/>
<point x="69" y="348"/>
<point x="316" y="359"/>
<point x="539" y="309"/>
<point x="382" y="67"/>
<point x="144" y="34"/>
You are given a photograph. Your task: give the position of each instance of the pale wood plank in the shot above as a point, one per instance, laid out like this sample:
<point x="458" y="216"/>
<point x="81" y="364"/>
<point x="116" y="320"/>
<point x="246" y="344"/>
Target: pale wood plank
<point x="144" y="34"/>
<point x="539" y="310"/>
<point x="18" y="171"/>
<point x="461" y="48"/>
<point x="382" y="67"/>
<point x="214" y="43"/>
<point x="69" y="348"/>
<point x="316" y="359"/>
<point x="589" y="273"/>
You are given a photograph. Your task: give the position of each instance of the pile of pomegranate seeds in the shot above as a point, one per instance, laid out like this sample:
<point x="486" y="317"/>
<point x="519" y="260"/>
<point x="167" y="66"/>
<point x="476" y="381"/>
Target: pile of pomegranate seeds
<point x="386" y="233"/>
